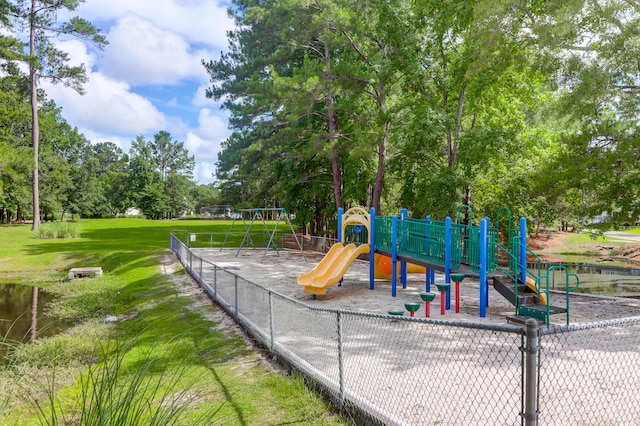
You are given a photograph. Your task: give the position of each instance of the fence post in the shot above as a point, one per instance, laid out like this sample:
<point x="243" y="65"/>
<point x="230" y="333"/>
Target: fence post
<point x="340" y="359"/>
<point x="271" y="326"/>
<point x="235" y="285"/>
<point x="532" y="349"/>
<point x="215" y="282"/>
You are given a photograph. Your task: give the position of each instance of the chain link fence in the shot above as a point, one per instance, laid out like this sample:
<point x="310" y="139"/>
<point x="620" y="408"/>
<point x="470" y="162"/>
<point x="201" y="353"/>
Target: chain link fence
<point x="613" y="281"/>
<point x="414" y="371"/>
<point x="589" y="374"/>
<point x="602" y="280"/>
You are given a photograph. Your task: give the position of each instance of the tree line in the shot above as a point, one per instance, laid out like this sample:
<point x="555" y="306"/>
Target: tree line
<point x="425" y="104"/>
<point x="80" y="178"/>
<point x="432" y="104"/>
<point x="46" y="166"/>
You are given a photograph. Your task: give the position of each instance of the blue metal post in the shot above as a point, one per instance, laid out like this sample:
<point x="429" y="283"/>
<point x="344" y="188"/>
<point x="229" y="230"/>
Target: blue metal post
<point x="484" y="294"/>
<point x="447" y="258"/>
<point x="372" y="247"/>
<point x="523" y="249"/>
<point x="394" y="254"/>
<point x="340" y="236"/>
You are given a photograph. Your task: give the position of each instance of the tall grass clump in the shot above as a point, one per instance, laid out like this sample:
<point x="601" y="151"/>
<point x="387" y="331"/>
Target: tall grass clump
<point x="58" y="230"/>
<point x="131" y="387"/>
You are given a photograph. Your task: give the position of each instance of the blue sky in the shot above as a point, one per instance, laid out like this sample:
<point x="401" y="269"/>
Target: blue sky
<point x="150" y="77"/>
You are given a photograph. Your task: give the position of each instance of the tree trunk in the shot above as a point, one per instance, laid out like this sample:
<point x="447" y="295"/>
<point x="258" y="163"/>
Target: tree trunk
<point x="466" y="200"/>
<point x="454" y="140"/>
<point x="379" y="181"/>
<point x="381" y="151"/>
<point x="333" y="135"/>
<point x="35" y="131"/>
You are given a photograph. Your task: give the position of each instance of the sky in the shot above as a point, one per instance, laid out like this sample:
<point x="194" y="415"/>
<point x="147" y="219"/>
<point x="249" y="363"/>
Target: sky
<point x="150" y="76"/>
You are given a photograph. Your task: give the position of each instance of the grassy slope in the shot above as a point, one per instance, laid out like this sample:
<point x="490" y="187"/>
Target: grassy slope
<point x="160" y="333"/>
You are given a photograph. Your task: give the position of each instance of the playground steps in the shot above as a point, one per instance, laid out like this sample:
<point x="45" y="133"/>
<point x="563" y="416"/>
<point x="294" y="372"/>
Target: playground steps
<point x="529" y="305"/>
<point x="506" y="288"/>
<point x="522" y="319"/>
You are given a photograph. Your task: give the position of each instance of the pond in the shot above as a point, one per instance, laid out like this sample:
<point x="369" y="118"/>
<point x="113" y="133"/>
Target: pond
<point x="22" y="320"/>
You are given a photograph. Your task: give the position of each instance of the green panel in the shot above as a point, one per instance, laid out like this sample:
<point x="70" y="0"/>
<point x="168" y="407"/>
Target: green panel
<point x="383" y="233"/>
<point x="424" y="240"/>
<point x="473" y="249"/>
<point x="534" y="313"/>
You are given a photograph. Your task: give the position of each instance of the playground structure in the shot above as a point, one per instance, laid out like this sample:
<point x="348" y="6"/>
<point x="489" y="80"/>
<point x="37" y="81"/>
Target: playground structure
<point x="270" y="218"/>
<point x="336" y="262"/>
<point x="498" y="253"/>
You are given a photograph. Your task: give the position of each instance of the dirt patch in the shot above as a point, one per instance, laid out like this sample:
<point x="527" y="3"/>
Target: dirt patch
<point x="548" y="240"/>
<point x="630" y="251"/>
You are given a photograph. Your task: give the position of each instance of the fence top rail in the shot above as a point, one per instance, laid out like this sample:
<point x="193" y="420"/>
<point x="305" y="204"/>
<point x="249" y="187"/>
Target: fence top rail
<point x="590" y="266"/>
<point x="588" y="326"/>
<point x="449" y="323"/>
<point x="506" y="328"/>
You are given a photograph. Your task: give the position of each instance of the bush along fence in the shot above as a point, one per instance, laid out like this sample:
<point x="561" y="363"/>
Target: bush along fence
<point x="414" y="371"/>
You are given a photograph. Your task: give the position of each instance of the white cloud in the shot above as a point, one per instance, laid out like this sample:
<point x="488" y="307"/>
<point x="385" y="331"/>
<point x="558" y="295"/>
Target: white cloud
<point x="107" y="106"/>
<point x="121" y="142"/>
<point x="205" y="141"/>
<point x="204" y="172"/>
<point x="78" y="54"/>
<point x="200" y="21"/>
<point x="144" y="54"/>
<point x="157" y="44"/>
<point x="212" y="126"/>
<point x="200" y="98"/>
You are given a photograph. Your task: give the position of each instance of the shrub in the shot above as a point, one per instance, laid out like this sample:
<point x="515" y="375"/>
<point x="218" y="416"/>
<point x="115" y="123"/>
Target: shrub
<point x="58" y="230"/>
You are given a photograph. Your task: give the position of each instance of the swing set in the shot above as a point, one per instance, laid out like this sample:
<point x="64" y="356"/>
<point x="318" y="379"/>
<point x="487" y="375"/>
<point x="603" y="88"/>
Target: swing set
<point x="270" y="219"/>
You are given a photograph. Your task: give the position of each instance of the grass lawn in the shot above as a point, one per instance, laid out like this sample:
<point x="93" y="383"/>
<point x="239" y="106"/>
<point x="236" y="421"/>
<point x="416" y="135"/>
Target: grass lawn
<point x="588" y="238"/>
<point x="167" y="358"/>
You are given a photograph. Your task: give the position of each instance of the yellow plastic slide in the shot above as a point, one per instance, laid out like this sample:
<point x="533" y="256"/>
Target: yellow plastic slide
<point x="531" y="283"/>
<point x="331" y="268"/>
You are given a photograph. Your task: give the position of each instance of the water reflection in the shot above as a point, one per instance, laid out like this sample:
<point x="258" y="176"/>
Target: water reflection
<point x="21" y="314"/>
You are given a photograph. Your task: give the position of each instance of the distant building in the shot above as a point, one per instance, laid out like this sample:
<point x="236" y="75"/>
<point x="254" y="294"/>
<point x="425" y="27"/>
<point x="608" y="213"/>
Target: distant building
<point x="601" y="218"/>
<point x="133" y="211"/>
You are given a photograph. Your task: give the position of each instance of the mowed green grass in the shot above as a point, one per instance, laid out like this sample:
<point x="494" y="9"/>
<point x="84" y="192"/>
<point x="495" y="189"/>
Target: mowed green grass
<point x="163" y="347"/>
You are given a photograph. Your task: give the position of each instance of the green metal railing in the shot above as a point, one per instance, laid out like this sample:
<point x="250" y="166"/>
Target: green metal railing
<point x="384" y="233"/>
<point x="537" y="276"/>
<point x="568" y="288"/>
<point x="512" y="269"/>
<point x="425" y="240"/>
<point x="473" y="248"/>
<point x="422" y="239"/>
